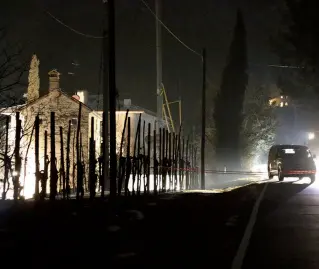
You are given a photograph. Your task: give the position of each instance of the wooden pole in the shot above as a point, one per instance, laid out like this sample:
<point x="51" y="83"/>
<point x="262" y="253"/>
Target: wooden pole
<point x="160" y="160"/>
<point x="92" y="163"/>
<point x="44" y="179"/>
<point x="183" y="161"/>
<point x="84" y="178"/>
<point x="170" y="160"/>
<point x="179" y="160"/>
<point x="6" y="160"/>
<point x="79" y="178"/>
<point x="73" y="161"/>
<point x="37" y="158"/>
<point x="17" y="170"/>
<point x="143" y="160"/>
<point x="155" y="162"/>
<point x="186" y="165"/>
<point x="67" y="177"/>
<point x="123" y="133"/>
<point x="53" y="170"/>
<point x="138" y="157"/>
<point x="128" y="157"/>
<point x="62" y="168"/>
<point x="82" y="167"/>
<point x="203" y="138"/>
<point x="148" y="158"/>
<point x="163" y="163"/>
<point x="122" y="160"/>
<point x="173" y="162"/>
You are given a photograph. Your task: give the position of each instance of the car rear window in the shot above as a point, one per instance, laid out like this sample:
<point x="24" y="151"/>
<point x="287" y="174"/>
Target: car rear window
<point x="295" y="152"/>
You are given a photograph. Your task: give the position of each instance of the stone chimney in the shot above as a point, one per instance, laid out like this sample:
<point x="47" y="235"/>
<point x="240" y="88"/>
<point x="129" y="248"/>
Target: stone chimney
<point x="54" y="80"/>
<point x="83" y="94"/>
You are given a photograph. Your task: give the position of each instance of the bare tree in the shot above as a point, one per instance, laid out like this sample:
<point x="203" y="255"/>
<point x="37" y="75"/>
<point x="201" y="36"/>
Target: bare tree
<point x="12" y="68"/>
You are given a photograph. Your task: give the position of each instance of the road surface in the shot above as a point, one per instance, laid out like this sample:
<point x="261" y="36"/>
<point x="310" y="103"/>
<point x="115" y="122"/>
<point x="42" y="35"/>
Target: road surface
<point x="286" y="234"/>
<point x="193" y="230"/>
<point x="220" y="182"/>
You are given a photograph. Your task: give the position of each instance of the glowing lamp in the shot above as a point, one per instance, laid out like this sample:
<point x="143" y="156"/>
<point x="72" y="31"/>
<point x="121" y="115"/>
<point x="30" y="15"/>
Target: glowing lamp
<point x="311" y="136"/>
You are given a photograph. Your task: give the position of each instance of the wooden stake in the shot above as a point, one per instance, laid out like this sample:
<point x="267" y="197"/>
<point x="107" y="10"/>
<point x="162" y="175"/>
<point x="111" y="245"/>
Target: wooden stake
<point x="92" y="163"/>
<point x="6" y="161"/>
<point x="44" y="178"/>
<point x="67" y="177"/>
<point x="148" y="158"/>
<point x="53" y="170"/>
<point x="79" y="178"/>
<point x="128" y="157"/>
<point x="37" y="158"/>
<point x="62" y="169"/>
<point x="155" y="162"/>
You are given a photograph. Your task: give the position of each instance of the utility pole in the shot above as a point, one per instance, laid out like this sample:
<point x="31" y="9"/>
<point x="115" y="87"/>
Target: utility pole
<point x="203" y="122"/>
<point x="159" y="80"/>
<point x="112" y="97"/>
<point x="105" y="151"/>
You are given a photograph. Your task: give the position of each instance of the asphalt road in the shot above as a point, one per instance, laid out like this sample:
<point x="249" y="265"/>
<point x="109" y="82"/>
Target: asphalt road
<point x="193" y="230"/>
<point x="286" y="234"/>
<point x="219" y="182"/>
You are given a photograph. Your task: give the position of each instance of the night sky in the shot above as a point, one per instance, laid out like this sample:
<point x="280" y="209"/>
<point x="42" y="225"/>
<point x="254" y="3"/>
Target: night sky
<point x="202" y="23"/>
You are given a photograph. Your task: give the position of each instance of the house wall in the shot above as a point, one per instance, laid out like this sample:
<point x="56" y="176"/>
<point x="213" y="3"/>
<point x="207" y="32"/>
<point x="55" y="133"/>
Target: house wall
<point x="65" y="110"/>
<point x="120" y="120"/>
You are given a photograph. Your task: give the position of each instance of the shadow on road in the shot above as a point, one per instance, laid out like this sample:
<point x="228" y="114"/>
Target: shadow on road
<point x="279" y="193"/>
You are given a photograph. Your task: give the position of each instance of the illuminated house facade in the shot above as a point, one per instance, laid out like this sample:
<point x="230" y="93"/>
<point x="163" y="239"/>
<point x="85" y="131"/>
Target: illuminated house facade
<point x="66" y="109"/>
<point x="280" y="101"/>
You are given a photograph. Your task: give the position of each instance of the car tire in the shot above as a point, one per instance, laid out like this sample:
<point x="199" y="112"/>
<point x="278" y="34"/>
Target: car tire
<point x="270" y="175"/>
<point x="280" y="175"/>
<point x="313" y="178"/>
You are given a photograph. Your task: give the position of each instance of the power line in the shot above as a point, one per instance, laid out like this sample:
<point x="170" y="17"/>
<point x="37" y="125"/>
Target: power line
<point x="278" y="66"/>
<point x="72" y="29"/>
<point x="175" y="36"/>
<point x="284" y="66"/>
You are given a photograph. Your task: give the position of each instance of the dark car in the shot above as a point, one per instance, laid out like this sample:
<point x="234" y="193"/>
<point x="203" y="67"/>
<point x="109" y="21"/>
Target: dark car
<point x="291" y="161"/>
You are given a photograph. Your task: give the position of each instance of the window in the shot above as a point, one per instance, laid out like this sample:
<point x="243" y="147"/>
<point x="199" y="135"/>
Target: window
<point x="74" y="121"/>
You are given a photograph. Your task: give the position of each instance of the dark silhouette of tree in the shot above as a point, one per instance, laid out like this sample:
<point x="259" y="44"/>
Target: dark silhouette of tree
<point x="296" y="43"/>
<point x="229" y="101"/>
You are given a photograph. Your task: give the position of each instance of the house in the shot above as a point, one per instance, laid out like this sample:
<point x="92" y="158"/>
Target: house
<point x="66" y="110"/>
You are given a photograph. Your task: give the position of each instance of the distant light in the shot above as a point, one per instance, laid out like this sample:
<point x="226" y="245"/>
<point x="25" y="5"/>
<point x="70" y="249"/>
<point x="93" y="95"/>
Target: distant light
<point x="281" y="97"/>
<point x="311" y="136"/>
<point x="286" y="104"/>
<point x="14" y="173"/>
<point x="281" y="104"/>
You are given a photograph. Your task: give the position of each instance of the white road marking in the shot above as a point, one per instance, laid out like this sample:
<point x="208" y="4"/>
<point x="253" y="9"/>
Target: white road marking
<point x="232" y="221"/>
<point x="241" y="252"/>
<point x="113" y="228"/>
<point x="126" y="255"/>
